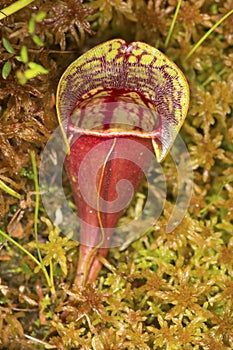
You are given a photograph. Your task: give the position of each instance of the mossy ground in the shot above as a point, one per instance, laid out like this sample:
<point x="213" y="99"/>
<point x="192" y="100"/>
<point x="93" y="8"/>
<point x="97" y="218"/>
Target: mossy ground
<point x="165" y="291"/>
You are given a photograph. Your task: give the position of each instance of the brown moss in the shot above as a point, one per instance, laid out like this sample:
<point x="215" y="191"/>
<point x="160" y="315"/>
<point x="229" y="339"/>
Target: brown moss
<point x="67" y="17"/>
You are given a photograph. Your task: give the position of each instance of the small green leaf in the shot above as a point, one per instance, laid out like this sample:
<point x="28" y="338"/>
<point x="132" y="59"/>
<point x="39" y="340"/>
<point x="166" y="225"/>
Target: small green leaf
<point x="30" y="73"/>
<point x="37" y="40"/>
<point x="37" y="67"/>
<point x="21" y="77"/>
<point x="24" y="54"/>
<point x="40" y="16"/>
<point x="6" y="69"/>
<point x="7" y="46"/>
<point x="18" y="58"/>
<point x="31" y="26"/>
<point x="34" y="70"/>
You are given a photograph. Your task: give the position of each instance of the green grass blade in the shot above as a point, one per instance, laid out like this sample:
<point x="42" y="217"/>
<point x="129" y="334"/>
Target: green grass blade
<point x="5" y="235"/>
<point x="36" y="184"/>
<point x="208" y="33"/>
<point x="9" y="190"/>
<point x="172" y="24"/>
<point x="16" y="6"/>
<point x="36" y="214"/>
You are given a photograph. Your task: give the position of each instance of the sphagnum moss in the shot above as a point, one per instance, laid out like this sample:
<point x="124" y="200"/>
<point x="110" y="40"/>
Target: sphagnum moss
<point x="167" y="291"/>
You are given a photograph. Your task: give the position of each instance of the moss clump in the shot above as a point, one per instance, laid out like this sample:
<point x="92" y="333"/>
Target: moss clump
<point x="165" y="291"/>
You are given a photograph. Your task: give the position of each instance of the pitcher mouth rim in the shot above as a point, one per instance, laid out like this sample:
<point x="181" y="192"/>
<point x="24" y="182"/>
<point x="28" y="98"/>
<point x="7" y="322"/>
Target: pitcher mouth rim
<point x="115" y="132"/>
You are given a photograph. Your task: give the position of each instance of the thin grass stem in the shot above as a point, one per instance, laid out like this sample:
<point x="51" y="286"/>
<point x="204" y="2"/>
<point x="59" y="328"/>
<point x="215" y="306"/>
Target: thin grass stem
<point x="9" y="190"/>
<point x="18" y="245"/>
<point x="36" y="214"/>
<point x="51" y="277"/>
<point x="172" y="24"/>
<point x="205" y="36"/>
